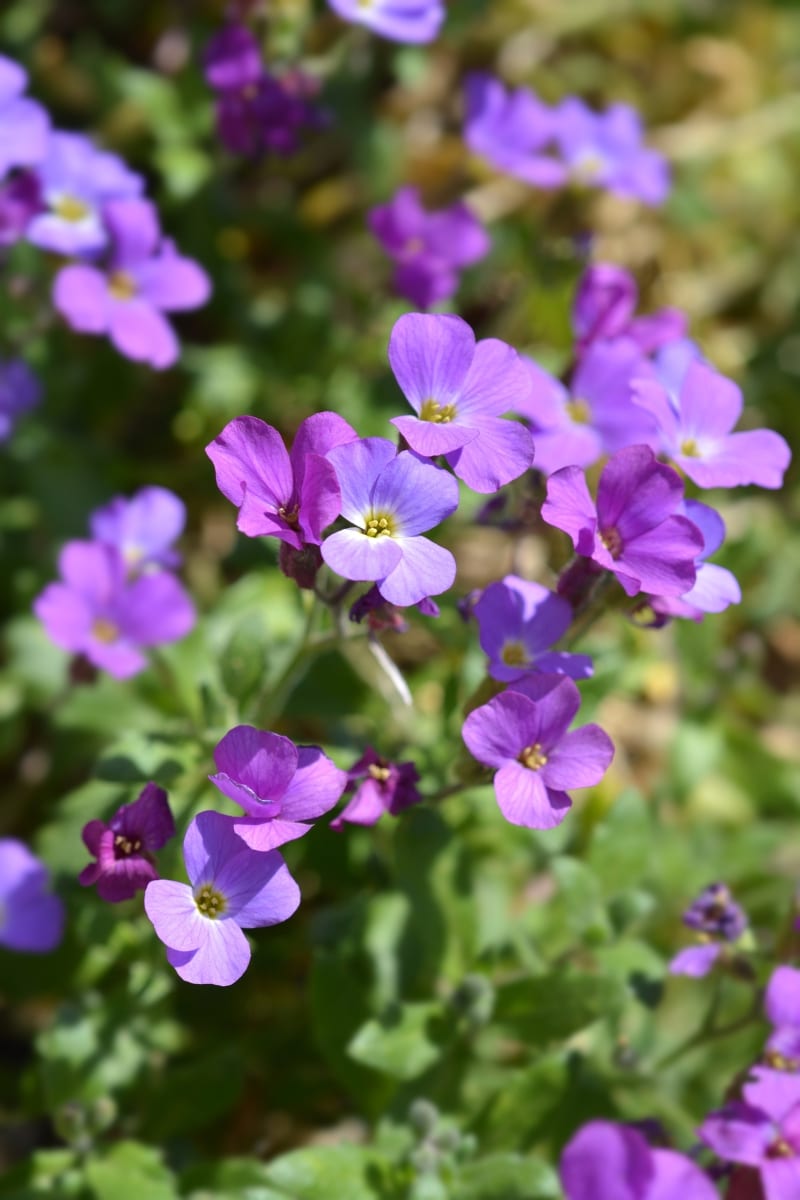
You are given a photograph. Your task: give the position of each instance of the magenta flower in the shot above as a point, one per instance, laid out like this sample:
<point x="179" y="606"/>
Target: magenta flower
<point x="390" y="500"/>
<point x="399" y="20"/>
<point x="782" y="1008"/>
<point x="231" y="888"/>
<point x="695" y="432"/>
<point x="429" y="248"/>
<point x="514" y="131"/>
<point x="280" y="786"/>
<point x="715" y="588"/>
<point x="524" y="734"/>
<point x="383" y="786"/>
<point x="458" y="389"/>
<point x="142" y="528"/>
<point x="20" y="392"/>
<point x="146" y="278"/>
<point x="96" y="611"/>
<point x="519" y="621"/>
<point x="606" y="150"/>
<point x="717" y="920"/>
<point x="31" y="917"/>
<point x="292" y="496"/>
<point x="604" y="307"/>
<point x="24" y="125"/>
<point x="606" y="1161"/>
<point x="633" y="530"/>
<point x="232" y="59"/>
<point x="125" y="846"/>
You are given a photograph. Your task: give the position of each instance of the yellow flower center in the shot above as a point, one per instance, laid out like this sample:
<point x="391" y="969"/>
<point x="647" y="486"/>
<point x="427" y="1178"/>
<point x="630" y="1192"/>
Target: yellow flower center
<point x="124" y="846"/>
<point x="588" y="167"/>
<point x="514" y="654"/>
<point x="440" y="414"/>
<point x="612" y="541"/>
<point x="290" y="515"/>
<point x="379" y="525"/>
<point x="579" y="411"/>
<point x="121" y="285"/>
<point x="210" y="903"/>
<point x="70" y="208"/>
<point x="690" y="448"/>
<point x="104" y="631"/>
<point x="533" y="757"/>
<point x="379" y="773"/>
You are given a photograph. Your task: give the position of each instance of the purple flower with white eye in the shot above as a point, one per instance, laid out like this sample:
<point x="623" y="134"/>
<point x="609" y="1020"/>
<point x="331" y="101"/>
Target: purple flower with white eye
<point x="20" y="392"/>
<point x="604" y="307"/>
<point x="77" y="181"/>
<point x="146" y="278"/>
<point x="633" y="530"/>
<point x="458" y="389"/>
<point x="390" y="500"/>
<point x="231" y="888"/>
<point x="24" y="124"/>
<point x="606" y="150"/>
<point x="280" y="786"/>
<point x="20" y="201"/>
<point x="429" y="248"/>
<point x="31" y="917"/>
<point x="607" y="1161"/>
<point x="411" y="21"/>
<point x="142" y="528"/>
<point x="124" y="846"/>
<point x="383" y="786"/>
<point x="782" y="1008"/>
<point x="717" y="920"/>
<point x="523" y="733"/>
<point x="291" y="495"/>
<point x="95" y="610"/>
<point x="513" y="130"/>
<point x="518" y="622"/>
<point x="715" y="588"/>
<point x="695" y="432"/>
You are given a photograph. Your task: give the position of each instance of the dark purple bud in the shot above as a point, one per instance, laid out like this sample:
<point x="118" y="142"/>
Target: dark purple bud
<point x="300" y="565"/>
<point x="716" y="914"/>
<point x="20" y="201"/>
<point x="124" y="847"/>
<point x="577" y="580"/>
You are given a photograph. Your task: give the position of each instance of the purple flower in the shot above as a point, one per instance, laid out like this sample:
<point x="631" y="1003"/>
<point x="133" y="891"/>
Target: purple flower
<point x="280" y="786"/>
<point x="399" y="20"/>
<point x="514" y="131"/>
<point x="715" y="588"/>
<point x="232" y="59"/>
<point x="458" y="390"/>
<point x="124" y="847"/>
<point x="146" y="278"/>
<point x="31" y="918"/>
<point x="142" y="528"/>
<point x="380" y="615"/>
<point x="606" y="150"/>
<point x="632" y="531"/>
<point x="604" y="307"/>
<point x="77" y="181"/>
<point x="384" y="786"/>
<point x="518" y="622"/>
<point x="96" y="611"/>
<point x="20" y="201"/>
<point x="291" y="496"/>
<point x="19" y="393"/>
<point x="782" y="1008"/>
<point x="606" y="1161"/>
<point x="390" y="499"/>
<point x="430" y="248"/>
<point x="524" y="734"/>
<point x="231" y="888"/>
<point x="696" y="433"/>
<point x="717" y="919"/>
<point x="24" y="125"/>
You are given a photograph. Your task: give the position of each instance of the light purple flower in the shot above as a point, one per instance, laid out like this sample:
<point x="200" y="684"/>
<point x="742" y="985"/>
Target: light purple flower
<point x="607" y="1161"/>
<point x="429" y="248"/>
<point x="513" y="130"/>
<point x="524" y="734"/>
<point x="24" y="125"/>
<point x="604" y="307"/>
<point x="31" y="917"/>
<point x="280" y="786"/>
<point x="459" y="389"/>
<point x="146" y="278"/>
<point x="390" y="500"/>
<point x="96" y="611"/>
<point x="20" y="201"/>
<point x="124" y="846"/>
<point x="718" y="920"/>
<point x="633" y="531"/>
<point x="383" y="786"/>
<point x="20" y="392"/>
<point x="399" y="20"/>
<point x="606" y="150"/>
<point x="142" y="528"/>
<point x="292" y="496"/>
<point x="782" y="1008"/>
<point x="715" y="588"/>
<point x="231" y="888"/>
<point x="518" y="622"/>
<point x="696" y="432"/>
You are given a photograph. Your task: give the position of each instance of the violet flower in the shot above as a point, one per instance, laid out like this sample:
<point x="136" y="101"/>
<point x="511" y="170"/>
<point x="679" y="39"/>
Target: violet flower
<point x="606" y="150"/>
<point x="292" y="496"/>
<point x="280" y="786"/>
<point x="31" y="917"/>
<point x="142" y="528"/>
<point x="146" y="278"/>
<point x="513" y="130"/>
<point x="20" y="392"/>
<point x="604" y="307"/>
<point x="390" y="499"/>
<point x="696" y="432"/>
<point x="518" y="622"/>
<point x="96" y="611"/>
<point x="715" y="588"/>
<point x="524" y="734"/>
<point x="231" y="888"/>
<point x="383" y="787"/>
<point x="399" y="20"/>
<point x="20" y="201"/>
<point x="232" y="59"/>
<point x="633" y="530"/>
<point x="607" y="1161"/>
<point x="459" y="390"/>
<point x="124" y="846"/>
<point x="718" y="921"/>
<point x="429" y="248"/>
<point x="782" y="1008"/>
<point x="24" y="124"/>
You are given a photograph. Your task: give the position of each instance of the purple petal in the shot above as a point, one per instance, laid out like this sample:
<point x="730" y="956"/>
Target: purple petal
<point x="148" y="819"/>
<point x="253" y="472"/>
<point x="414" y="22"/>
<point x="353" y="555"/>
<point x="173" y="283"/>
<point x="780" y="1179"/>
<point x="497" y="382"/>
<point x="400" y="221"/>
<point x="430" y="356"/>
<point x="457" y="236"/>
<point x="554" y="714"/>
<point x="24" y="130"/>
<point x="738" y="1133"/>
<point x="316" y="787"/>
<point x="416" y="493"/>
<point x="174" y="914"/>
<point x="525" y="800"/>
<point x="142" y="334"/>
<point x="580" y="759"/>
<point x="502" y="451"/>
<point x="366" y="807"/>
<point x="636" y="493"/>
<point x="263" y="835"/>
<point x="709" y="522"/>
<point x="429" y="439"/>
<point x="425" y="569"/>
<point x="556" y="662"/>
<point x="782" y="997"/>
<point x="715" y="589"/>
<point x="155" y="608"/>
<point x="258" y="888"/>
<point x="320" y="498"/>
<point x="256" y="767"/>
<point x="66" y="615"/>
<point x="144" y="527"/>
<point x="544" y="403"/>
<point x="758" y="457"/>
<point x="678" y="1178"/>
<point x="570" y="507"/>
<point x="661" y="561"/>
<point x="13" y="80"/>
<point x="135" y="232"/>
<point x="695" y="961"/>
<point x="358" y="465"/>
<point x="605" y="1161"/>
<point x="710" y="405"/>
<point x="81" y="296"/>
<point x="128" y="876"/>
<point x="318" y="434"/>
<point x="775" y="1093"/>
<point x="222" y="957"/>
<point x="498" y="731"/>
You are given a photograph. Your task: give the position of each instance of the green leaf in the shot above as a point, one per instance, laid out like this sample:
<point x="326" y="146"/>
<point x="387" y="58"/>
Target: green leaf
<point x="506" y="1177"/>
<point x="131" y="1171"/>
<point x="554" y="1006"/>
<point x="329" y="1173"/>
<point x="403" y="1042"/>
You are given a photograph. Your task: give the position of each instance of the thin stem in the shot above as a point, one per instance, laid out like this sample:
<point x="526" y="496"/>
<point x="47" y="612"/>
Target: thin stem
<point x="709" y="1031"/>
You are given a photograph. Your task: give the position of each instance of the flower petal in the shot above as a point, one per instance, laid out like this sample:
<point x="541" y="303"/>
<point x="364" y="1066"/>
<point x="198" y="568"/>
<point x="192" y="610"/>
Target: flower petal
<point x="430" y="356"/>
<point x="580" y="759"/>
<point x="353" y="555"/>
<point x="525" y="800"/>
<point x="425" y="569"/>
<point x="221" y="958"/>
<point x="502" y="451"/>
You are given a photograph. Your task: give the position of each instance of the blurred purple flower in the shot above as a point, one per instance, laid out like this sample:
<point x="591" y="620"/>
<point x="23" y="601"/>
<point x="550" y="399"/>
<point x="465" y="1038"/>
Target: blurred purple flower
<point x="232" y="59"/>
<point x="398" y="20"/>
<point x="20" y="201"/>
<point x="606" y="150"/>
<point x="782" y="1008"/>
<point x="717" y="919"/>
<point x="715" y="588"/>
<point x="383" y="786"/>
<point x="124" y="846"/>
<point x="518" y="622"/>
<point x="31" y="917"/>
<point x="513" y="130"/>
<point x="231" y="888"/>
<point x="142" y="528"/>
<point x="24" y="124"/>
<point x="19" y="393"/>
<point x="607" y="1161"/>
<point x="604" y="307"/>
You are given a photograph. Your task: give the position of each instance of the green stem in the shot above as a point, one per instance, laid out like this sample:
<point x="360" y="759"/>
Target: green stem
<point x="709" y="1031"/>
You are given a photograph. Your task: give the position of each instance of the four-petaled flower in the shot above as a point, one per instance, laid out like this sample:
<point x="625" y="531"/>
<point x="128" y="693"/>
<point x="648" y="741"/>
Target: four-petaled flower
<point x="606" y="150"/>
<point x="518" y="622"/>
<point x="142" y="528"/>
<point x="383" y="786"/>
<point x="124" y="846"/>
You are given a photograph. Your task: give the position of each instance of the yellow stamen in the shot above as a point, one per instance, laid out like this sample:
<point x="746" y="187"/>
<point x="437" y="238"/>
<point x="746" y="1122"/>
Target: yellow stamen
<point x="210" y="903"/>
<point x="104" y="631"/>
<point x="533" y="757"/>
<point x="379" y="525"/>
<point x="440" y="414"/>
<point x="612" y="541"/>
<point x="379" y="774"/>
<point x="514" y="654"/>
<point x="690" y="448"/>
<point x="121" y="285"/>
<point x="579" y="411"/>
<point x="70" y="208"/>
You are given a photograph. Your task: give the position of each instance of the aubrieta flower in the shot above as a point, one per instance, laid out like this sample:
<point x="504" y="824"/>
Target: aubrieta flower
<point x="280" y="786"/>
<point x="604" y="307"/>
<point x="24" y="124"/>
<point x="715" y="588"/>
<point x="523" y="733"/>
<point x="695" y="432"/>
<point x="518" y="622"/>
<point x="383" y="786"/>
<point x="633" y="530"/>
<point x="142" y="528"/>
<point x="513" y="130"/>
<point x="782" y="1009"/>
<point x="146" y="278"/>
<point x="717" y="920"/>
<point x="95" y="610"/>
<point x="607" y="1161"/>
<point x="124" y="846"/>
<point x="607" y="150"/>
<point x="292" y="496"/>
<point x="459" y="390"/>
<point x="20" y="392"/>
<point x="390" y="500"/>
<point x="399" y="20"/>
<point x="231" y="888"/>
<point x="429" y="248"/>
<point x="31" y="917"/>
